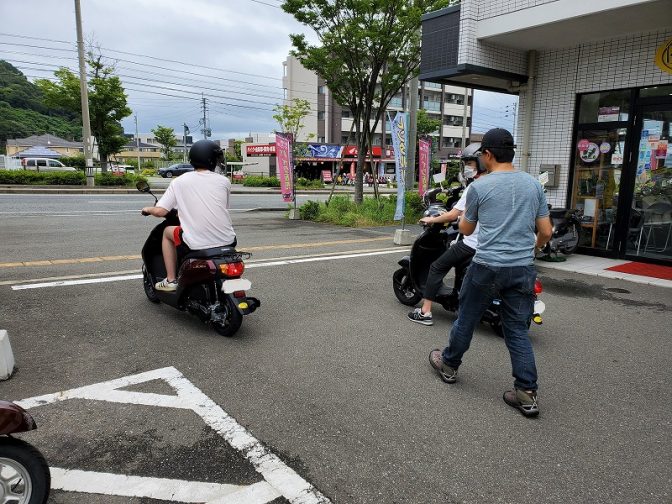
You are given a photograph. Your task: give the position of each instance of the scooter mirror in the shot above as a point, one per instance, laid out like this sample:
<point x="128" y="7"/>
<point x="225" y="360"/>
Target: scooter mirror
<point x="142" y="186"/>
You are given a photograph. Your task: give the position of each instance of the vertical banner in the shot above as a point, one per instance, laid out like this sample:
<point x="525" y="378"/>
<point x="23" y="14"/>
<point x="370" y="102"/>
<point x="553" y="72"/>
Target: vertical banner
<point x="399" y="142"/>
<point x="283" y="153"/>
<point x="424" y="149"/>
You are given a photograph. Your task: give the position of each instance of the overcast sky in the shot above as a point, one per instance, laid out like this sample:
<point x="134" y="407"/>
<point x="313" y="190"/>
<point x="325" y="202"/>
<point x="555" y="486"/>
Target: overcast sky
<point x="241" y="42"/>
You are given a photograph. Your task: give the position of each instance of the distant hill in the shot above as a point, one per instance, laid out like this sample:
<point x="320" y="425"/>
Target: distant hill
<point x="22" y="112"/>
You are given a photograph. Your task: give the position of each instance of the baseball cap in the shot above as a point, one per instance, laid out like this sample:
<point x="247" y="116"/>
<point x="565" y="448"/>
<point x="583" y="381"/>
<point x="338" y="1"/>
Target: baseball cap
<point x="497" y="138"/>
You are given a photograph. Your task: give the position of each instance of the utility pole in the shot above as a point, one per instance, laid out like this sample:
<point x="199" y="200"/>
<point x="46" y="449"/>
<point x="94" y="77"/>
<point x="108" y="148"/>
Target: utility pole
<point x="137" y="143"/>
<point x="184" y="142"/>
<point x="206" y="132"/>
<point x="83" y="88"/>
<point x="512" y="110"/>
<point x="412" y="132"/>
<point x="464" y="118"/>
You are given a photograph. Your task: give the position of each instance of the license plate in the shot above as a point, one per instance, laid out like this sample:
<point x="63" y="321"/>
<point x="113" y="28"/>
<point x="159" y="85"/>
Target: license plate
<point x="539" y="307"/>
<point x="238" y="284"/>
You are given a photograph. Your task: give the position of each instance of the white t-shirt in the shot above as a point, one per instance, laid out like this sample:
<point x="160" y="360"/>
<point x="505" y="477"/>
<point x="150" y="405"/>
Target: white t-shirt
<point x="202" y="201"/>
<point x="472" y="239"/>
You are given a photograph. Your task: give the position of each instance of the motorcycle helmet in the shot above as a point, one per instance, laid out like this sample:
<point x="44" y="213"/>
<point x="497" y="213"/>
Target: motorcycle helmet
<point x="470" y="153"/>
<point x="205" y="154"/>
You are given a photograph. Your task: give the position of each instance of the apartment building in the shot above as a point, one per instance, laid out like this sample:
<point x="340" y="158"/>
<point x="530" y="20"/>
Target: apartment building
<point x="595" y="86"/>
<point x="330" y="123"/>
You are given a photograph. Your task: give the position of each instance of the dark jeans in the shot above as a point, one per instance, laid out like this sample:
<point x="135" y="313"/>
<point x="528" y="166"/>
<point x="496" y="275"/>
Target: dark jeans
<point x="515" y="287"/>
<point x="451" y="258"/>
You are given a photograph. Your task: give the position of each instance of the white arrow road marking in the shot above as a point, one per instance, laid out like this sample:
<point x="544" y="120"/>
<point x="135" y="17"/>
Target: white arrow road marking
<point x="73" y="480"/>
<point x="281" y="478"/>
<point x="280" y="262"/>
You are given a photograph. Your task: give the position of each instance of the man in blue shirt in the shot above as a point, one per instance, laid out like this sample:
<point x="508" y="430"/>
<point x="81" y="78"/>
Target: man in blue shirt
<point x="507" y="205"/>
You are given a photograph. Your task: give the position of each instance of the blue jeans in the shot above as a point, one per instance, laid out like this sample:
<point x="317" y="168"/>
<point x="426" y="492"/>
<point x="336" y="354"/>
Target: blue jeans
<point x="515" y="287"/>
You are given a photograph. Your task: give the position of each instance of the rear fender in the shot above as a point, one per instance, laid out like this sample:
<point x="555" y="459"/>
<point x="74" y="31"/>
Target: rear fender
<point x="405" y="262"/>
<point x="14" y="418"/>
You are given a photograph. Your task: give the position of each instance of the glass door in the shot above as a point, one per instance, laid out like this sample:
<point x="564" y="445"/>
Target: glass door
<point x="649" y="233"/>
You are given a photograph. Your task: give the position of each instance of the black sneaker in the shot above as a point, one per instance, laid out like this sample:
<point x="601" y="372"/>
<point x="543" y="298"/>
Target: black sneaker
<point x="421" y="318"/>
<point x="524" y="401"/>
<point x="447" y="373"/>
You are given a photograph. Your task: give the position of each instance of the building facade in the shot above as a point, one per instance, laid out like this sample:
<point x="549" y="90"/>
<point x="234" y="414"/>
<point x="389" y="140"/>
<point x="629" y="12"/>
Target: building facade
<point x="330" y="123"/>
<point x="595" y="86"/>
<point x="63" y="147"/>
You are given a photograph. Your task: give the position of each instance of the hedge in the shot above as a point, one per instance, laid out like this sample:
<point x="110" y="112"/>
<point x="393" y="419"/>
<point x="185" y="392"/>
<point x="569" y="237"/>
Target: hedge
<point x="107" y="179"/>
<point x="26" y="177"/>
<point x="253" y="181"/>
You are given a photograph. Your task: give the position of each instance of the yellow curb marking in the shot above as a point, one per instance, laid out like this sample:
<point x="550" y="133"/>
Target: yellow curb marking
<point x="84" y="260"/>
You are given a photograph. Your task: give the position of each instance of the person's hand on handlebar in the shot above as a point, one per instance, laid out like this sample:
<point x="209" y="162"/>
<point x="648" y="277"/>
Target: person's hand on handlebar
<point x="146" y="211"/>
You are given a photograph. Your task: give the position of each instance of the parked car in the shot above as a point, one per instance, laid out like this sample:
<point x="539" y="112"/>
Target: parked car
<point x="121" y="168"/>
<point x="45" y="164"/>
<point x="175" y="170"/>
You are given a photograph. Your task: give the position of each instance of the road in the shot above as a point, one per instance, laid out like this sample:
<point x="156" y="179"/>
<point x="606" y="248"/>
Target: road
<point x="328" y="374"/>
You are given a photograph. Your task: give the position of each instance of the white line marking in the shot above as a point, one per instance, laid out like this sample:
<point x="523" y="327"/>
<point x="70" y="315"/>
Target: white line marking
<point x="280" y="262"/>
<point x="74" y="480"/>
<point x="277" y="474"/>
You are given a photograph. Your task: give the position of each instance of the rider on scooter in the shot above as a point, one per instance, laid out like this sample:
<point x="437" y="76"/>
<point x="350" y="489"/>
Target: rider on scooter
<point x="470" y="169"/>
<point x="201" y="198"/>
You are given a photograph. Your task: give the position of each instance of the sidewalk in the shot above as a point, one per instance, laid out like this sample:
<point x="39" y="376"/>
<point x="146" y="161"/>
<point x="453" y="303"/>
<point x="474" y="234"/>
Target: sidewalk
<point x="598" y="266"/>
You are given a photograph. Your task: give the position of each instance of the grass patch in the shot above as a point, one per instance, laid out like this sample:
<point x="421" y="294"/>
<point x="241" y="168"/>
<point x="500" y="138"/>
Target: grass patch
<point x="342" y="211"/>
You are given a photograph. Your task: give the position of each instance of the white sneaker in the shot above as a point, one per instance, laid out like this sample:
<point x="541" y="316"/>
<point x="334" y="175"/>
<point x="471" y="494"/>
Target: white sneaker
<point x="166" y="286"/>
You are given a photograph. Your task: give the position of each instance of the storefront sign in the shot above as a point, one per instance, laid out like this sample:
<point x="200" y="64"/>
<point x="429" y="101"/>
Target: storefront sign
<point x="319" y="152"/>
<point x="326" y="176"/>
<point x="260" y="150"/>
<point x="583" y="144"/>
<point x="590" y="153"/>
<point x="283" y="144"/>
<point x="424" y="149"/>
<point x="605" y="147"/>
<point x="607" y="114"/>
<point x="399" y="142"/>
<point x="664" y="56"/>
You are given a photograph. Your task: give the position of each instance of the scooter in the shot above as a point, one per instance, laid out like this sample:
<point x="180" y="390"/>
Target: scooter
<point x="24" y="473"/>
<point x="566" y="228"/>
<point x="409" y="281"/>
<point x="209" y="282"/>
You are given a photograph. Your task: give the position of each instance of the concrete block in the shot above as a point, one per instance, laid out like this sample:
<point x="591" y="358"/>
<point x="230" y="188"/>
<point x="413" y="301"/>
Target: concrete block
<point x="6" y="356"/>
<point x="294" y="214"/>
<point x="403" y="237"/>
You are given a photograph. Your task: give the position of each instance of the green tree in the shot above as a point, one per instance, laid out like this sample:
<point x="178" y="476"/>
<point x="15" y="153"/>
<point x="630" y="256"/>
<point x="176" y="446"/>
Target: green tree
<point x="107" y="103"/>
<point x="290" y="117"/>
<point x="368" y="50"/>
<point x="427" y="126"/>
<point x="165" y="136"/>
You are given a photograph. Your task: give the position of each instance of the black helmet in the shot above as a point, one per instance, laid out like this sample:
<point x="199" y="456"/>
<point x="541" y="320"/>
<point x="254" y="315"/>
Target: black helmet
<point x="205" y="154"/>
<point x="470" y="153"/>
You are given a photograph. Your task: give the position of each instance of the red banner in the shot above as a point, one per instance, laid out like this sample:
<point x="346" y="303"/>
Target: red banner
<point x="283" y="152"/>
<point x="424" y="148"/>
<point x="260" y="150"/>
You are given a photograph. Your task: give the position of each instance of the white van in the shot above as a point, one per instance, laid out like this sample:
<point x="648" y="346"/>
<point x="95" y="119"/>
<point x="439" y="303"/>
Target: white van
<point x="45" y="164"/>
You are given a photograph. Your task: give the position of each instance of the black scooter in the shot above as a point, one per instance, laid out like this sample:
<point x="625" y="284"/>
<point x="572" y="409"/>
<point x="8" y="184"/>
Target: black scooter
<point x="209" y="283"/>
<point x="566" y="229"/>
<point x="409" y="281"/>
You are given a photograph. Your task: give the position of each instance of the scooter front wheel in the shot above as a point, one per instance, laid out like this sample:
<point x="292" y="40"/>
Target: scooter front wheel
<point x="148" y="285"/>
<point x="24" y="473"/>
<point x="228" y="320"/>
<point x="403" y="288"/>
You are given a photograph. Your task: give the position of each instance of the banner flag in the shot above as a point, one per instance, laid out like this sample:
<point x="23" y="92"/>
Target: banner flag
<point x="283" y="153"/>
<point x="399" y="142"/>
<point x="424" y="152"/>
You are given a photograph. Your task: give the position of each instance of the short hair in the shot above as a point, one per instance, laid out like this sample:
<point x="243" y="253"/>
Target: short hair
<point x="501" y="155"/>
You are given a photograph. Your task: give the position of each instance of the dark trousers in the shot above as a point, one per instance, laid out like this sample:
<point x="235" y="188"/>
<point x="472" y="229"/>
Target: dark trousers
<point x="451" y="258"/>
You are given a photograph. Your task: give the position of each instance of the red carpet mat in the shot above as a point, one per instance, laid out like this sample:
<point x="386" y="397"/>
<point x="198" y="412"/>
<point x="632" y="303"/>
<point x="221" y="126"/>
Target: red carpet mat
<point x="643" y="269"/>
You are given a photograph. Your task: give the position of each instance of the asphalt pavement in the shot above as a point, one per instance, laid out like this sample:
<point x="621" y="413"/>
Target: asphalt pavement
<point x="328" y="375"/>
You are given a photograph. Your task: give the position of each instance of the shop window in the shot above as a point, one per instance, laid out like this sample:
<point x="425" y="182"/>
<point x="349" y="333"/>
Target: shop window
<point x="607" y="106"/>
<point x="652" y="91"/>
<point x="320" y="115"/>
<point x="345" y="113"/>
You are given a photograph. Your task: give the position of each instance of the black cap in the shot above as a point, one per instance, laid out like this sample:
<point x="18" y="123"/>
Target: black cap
<point x="497" y="138"/>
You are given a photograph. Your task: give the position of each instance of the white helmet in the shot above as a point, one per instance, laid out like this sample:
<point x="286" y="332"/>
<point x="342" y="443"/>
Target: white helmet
<point x="470" y="153"/>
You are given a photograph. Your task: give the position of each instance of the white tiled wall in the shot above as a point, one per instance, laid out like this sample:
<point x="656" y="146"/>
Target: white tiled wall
<point x="479" y="53"/>
<point x="492" y="8"/>
<point x="561" y="74"/>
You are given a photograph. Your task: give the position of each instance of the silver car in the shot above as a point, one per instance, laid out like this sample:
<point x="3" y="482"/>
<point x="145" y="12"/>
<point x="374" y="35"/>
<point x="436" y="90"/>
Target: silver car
<point x="45" y="165"/>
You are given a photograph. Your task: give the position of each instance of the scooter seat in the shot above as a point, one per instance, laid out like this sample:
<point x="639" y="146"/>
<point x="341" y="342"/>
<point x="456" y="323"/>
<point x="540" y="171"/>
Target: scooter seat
<point x="558" y="213"/>
<point x="211" y="252"/>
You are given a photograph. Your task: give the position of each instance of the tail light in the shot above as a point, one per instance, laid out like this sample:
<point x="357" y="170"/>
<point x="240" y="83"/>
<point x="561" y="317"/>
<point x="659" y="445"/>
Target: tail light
<point x="538" y="288"/>
<point x="234" y="269"/>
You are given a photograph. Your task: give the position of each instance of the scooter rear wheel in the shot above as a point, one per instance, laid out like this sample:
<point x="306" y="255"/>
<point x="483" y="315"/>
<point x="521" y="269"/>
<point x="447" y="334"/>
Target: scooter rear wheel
<point x="403" y="288"/>
<point x="231" y="321"/>
<point x="572" y="249"/>
<point x="148" y="285"/>
<point x="24" y="473"/>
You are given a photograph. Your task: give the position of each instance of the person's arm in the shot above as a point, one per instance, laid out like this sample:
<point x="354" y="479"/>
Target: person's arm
<point x="543" y="220"/>
<point x="470" y="217"/>
<point x="164" y="205"/>
<point x="156" y="211"/>
<point x="443" y="218"/>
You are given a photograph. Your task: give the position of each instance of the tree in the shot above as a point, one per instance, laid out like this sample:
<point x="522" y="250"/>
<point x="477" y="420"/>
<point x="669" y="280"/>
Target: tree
<point x="368" y="50"/>
<point x="107" y="102"/>
<point x="165" y="136"/>
<point x="426" y="125"/>
<point x="290" y="117"/>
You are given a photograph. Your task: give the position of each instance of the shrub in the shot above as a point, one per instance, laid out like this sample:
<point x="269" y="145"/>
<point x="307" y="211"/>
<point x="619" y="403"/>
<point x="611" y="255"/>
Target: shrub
<point x="42" y="178"/>
<point x="254" y="181"/>
<point x="304" y="183"/>
<point x="310" y="210"/>
<point x="149" y="172"/>
<point x="75" y="161"/>
<point x="148" y="164"/>
<point x="107" y="179"/>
